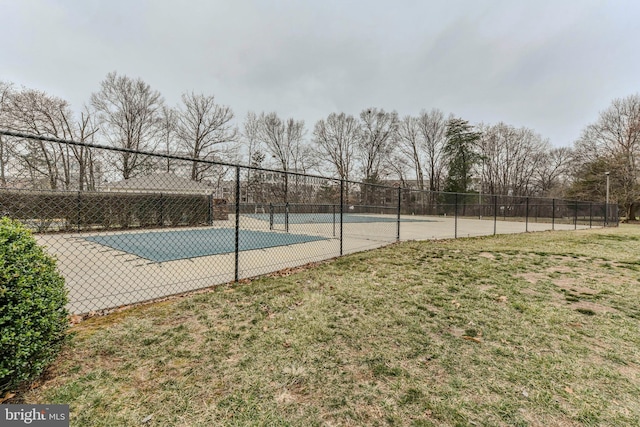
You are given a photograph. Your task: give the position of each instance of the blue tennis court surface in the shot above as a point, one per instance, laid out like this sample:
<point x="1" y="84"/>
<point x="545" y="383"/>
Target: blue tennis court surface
<point x="181" y="244"/>
<point x="328" y="218"/>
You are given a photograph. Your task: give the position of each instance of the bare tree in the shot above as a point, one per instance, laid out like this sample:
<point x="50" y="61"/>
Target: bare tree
<point x="255" y="185"/>
<point x="250" y="135"/>
<point x="38" y="113"/>
<point x="203" y="126"/>
<point x="83" y="130"/>
<point x="379" y="130"/>
<point x="168" y="131"/>
<point x="552" y="174"/>
<point x="433" y="129"/>
<point x="60" y="165"/>
<point x="251" y="140"/>
<point x="615" y="138"/>
<point x="284" y="142"/>
<point x="336" y="139"/>
<point x="399" y="167"/>
<point x="129" y="112"/>
<point x="6" y="91"/>
<point x="410" y="144"/>
<point x="510" y="158"/>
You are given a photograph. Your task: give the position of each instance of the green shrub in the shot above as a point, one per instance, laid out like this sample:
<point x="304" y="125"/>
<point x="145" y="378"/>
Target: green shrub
<point x="33" y="318"/>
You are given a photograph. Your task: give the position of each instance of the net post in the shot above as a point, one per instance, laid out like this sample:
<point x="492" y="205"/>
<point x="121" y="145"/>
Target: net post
<point x="455" y="217"/>
<point x="334" y="220"/>
<point x="526" y="217"/>
<point x="495" y="214"/>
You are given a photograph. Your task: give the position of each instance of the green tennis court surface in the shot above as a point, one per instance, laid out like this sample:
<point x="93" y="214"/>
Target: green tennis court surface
<point x="181" y="244"/>
<point x="328" y="218"/>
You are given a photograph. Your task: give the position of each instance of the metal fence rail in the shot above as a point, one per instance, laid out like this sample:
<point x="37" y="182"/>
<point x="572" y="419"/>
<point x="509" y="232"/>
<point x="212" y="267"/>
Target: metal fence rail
<point x="161" y="232"/>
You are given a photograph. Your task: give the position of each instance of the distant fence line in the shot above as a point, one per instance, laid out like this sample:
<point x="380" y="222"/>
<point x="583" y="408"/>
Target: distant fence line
<point x="161" y="234"/>
<point x="51" y="210"/>
<point x="75" y="210"/>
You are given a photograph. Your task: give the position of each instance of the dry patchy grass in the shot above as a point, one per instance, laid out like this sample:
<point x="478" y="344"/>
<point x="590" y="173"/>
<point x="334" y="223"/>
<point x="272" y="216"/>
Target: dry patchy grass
<point x="523" y="330"/>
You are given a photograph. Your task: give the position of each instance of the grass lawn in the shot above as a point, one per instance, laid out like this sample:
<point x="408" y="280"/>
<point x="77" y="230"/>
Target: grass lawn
<point x="518" y="330"/>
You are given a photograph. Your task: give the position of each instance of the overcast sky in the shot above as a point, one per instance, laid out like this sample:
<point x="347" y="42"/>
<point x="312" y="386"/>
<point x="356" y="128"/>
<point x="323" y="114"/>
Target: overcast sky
<point x="550" y="65"/>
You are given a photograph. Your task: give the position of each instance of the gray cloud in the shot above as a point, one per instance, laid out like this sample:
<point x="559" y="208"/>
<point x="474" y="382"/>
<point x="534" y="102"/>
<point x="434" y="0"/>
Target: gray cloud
<point x="548" y="65"/>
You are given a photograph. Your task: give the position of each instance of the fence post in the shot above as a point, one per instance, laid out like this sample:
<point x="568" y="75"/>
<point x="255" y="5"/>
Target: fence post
<point x="237" y="242"/>
<point x="270" y="216"/>
<point x="341" y="211"/>
<point x="286" y="217"/>
<point x="526" y="217"/>
<point x="553" y="214"/>
<point x="495" y="214"/>
<point x="606" y="212"/>
<point x="398" y="217"/>
<point x="575" y="218"/>
<point x="590" y="214"/>
<point x="455" y="217"/>
<point x="210" y="198"/>
<point x="334" y="220"/>
<point x="162" y="211"/>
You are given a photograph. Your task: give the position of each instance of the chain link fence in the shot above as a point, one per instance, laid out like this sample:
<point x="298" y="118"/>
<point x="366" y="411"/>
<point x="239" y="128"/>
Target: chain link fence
<point x="176" y="225"/>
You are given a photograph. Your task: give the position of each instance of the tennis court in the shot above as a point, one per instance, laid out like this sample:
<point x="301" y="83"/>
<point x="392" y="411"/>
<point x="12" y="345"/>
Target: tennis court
<point x="109" y="269"/>
<point x="182" y="244"/>
<point x="328" y="218"/>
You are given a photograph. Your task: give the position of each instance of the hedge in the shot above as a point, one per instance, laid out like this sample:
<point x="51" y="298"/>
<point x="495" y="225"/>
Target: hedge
<point x="33" y="317"/>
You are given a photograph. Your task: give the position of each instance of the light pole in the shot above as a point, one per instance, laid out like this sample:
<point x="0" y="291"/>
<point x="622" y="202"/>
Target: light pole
<point x="480" y="192"/>
<point x="606" y="206"/>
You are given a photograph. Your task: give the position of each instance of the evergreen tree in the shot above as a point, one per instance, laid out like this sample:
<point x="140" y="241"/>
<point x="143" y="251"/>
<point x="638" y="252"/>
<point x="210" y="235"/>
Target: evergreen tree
<point x="461" y="154"/>
<point x="589" y="182"/>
